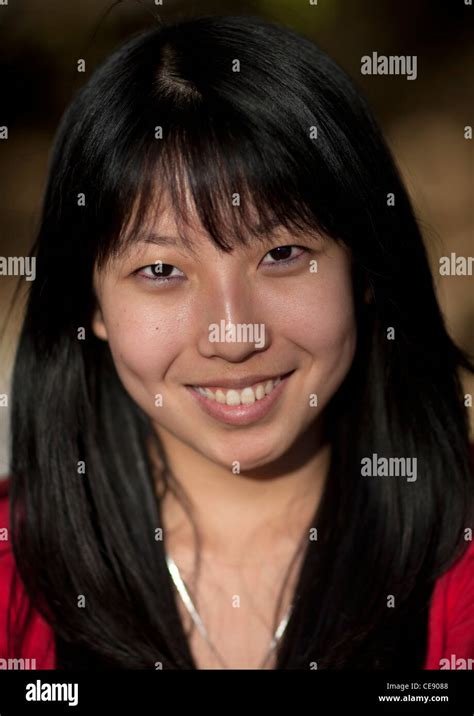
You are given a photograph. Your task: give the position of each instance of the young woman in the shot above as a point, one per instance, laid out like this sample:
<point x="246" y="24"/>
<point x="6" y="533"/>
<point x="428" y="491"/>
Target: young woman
<point x="238" y="432"/>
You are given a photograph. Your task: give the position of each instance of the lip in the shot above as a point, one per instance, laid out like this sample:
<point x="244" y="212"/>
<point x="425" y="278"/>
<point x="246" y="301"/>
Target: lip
<point x="249" y="380"/>
<point x="241" y="414"/>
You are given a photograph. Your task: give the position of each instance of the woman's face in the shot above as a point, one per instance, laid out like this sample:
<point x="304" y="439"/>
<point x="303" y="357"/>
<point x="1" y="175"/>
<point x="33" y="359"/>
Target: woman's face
<point x="175" y="319"/>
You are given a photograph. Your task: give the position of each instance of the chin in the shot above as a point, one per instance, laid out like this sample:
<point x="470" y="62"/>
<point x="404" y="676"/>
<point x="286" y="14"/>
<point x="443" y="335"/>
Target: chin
<point x="248" y="459"/>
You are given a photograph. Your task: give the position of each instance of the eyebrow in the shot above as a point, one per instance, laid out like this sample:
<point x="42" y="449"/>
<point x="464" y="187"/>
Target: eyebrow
<point x="175" y="242"/>
<point x="164" y="240"/>
<point x="160" y="240"/>
<point x="183" y="243"/>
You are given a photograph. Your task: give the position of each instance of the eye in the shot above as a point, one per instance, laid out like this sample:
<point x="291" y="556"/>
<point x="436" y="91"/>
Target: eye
<point x="160" y="272"/>
<point x="282" y="255"/>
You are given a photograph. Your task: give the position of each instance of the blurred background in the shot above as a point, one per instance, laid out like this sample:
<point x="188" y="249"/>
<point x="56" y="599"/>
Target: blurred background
<point x="423" y="120"/>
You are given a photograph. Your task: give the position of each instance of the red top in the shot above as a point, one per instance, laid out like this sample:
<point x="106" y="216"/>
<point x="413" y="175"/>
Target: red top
<point x="451" y="618"/>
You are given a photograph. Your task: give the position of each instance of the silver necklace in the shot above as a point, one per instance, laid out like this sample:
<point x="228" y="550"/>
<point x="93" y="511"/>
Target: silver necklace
<point x="188" y="603"/>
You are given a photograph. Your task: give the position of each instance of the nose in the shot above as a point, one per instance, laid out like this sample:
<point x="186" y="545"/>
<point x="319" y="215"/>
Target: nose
<point x="231" y="327"/>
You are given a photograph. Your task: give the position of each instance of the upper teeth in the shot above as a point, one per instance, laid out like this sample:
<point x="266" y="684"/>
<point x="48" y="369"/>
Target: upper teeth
<point x="237" y="397"/>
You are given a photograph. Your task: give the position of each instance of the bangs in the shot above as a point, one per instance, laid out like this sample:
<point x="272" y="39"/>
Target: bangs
<point x="166" y="122"/>
<point x="214" y="178"/>
<point x="236" y="156"/>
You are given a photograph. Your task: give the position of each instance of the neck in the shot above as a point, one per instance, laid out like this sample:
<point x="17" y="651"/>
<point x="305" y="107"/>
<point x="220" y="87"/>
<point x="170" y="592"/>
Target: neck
<point x="239" y="517"/>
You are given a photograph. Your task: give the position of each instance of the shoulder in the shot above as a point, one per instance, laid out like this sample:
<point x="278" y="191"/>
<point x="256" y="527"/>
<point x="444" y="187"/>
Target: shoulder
<point x="451" y="618"/>
<point x="39" y="642"/>
<point x="5" y="549"/>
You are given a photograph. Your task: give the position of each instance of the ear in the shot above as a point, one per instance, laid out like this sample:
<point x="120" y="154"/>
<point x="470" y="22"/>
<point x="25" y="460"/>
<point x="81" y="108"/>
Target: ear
<point x="98" y="325"/>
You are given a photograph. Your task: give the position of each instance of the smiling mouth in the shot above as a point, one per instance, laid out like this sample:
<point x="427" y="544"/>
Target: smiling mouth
<point x="245" y="396"/>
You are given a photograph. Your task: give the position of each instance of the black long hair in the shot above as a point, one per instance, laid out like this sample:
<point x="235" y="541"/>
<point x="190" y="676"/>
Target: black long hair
<point x="286" y="129"/>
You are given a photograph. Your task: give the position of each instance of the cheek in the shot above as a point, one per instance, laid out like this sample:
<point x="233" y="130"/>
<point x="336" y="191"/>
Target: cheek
<point x="318" y="315"/>
<point x="326" y="330"/>
<point x="143" y="342"/>
<point x="328" y="326"/>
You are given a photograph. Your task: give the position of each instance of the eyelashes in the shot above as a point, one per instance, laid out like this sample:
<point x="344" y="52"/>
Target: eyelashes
<point x="161" y="273"/>
<point x="285" y="261"/>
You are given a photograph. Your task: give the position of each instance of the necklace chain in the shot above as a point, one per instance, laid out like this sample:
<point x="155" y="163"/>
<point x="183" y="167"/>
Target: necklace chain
<point x="188" y="603"/>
